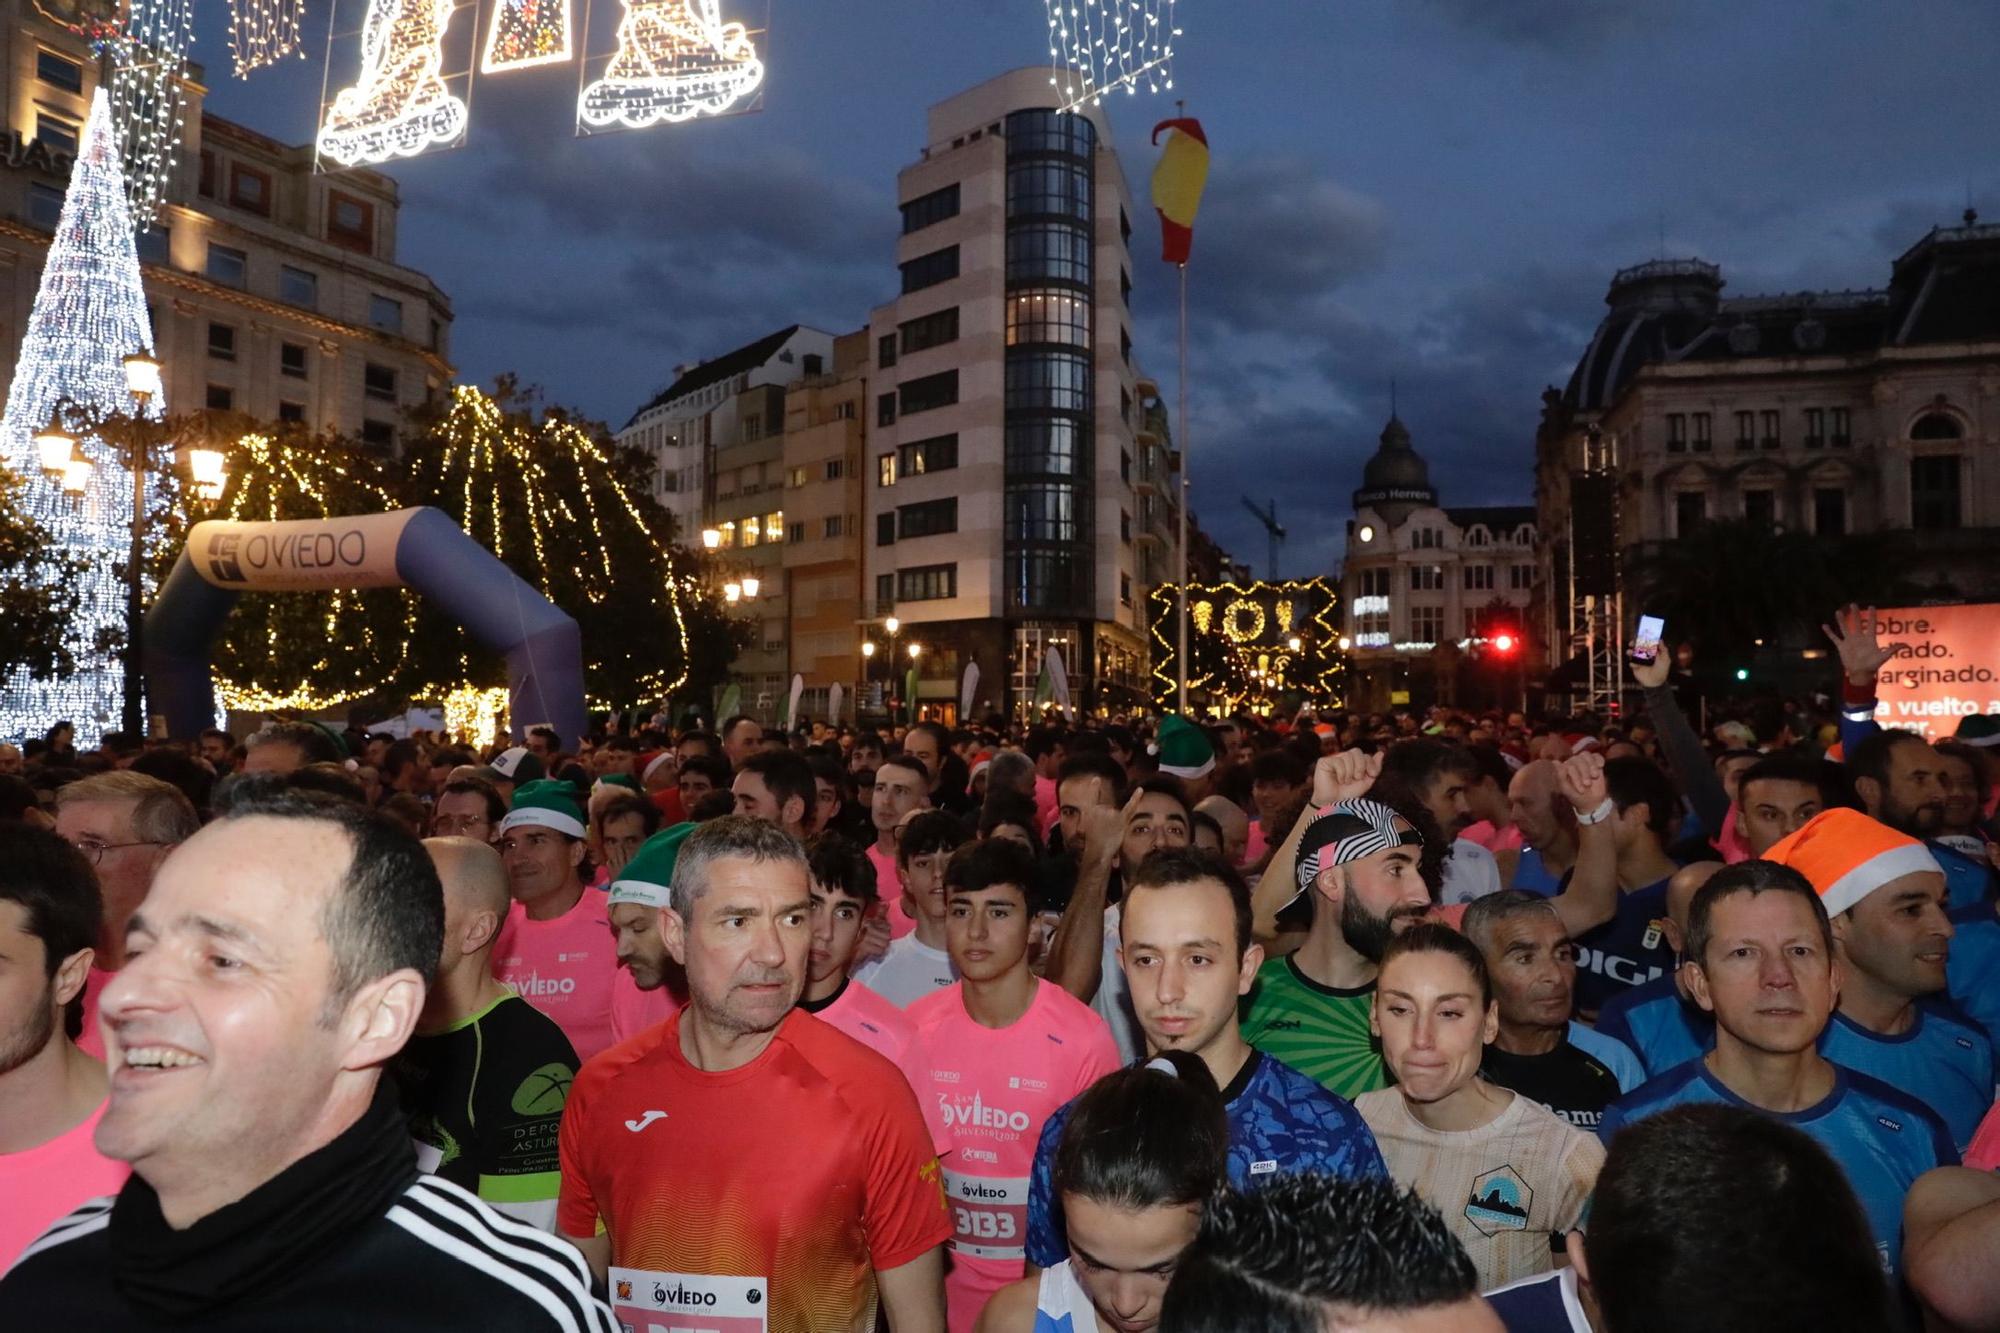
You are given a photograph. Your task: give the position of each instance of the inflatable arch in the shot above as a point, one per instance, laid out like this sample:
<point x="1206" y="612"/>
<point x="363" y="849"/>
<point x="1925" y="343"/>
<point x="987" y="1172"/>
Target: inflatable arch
<point x="419" y="549"/>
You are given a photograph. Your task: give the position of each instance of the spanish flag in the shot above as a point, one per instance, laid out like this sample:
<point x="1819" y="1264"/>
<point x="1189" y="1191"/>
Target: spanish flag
<point x="1177" y="185"/>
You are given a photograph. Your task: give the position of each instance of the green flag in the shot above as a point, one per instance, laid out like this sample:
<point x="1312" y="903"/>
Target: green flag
<point x="731" y="705"/>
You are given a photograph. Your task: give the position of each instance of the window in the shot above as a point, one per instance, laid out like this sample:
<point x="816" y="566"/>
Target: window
<point x="1048" y="380"/>
<point x="728" y="534"/>
<point x="44" y="205"/>
<point x="1426" y="624"/>
<point x="1746" y="430"/>
<point x="250" y="189"/>
<point x="930" y="270"/>
<point x="885" y="470"/>
<point x="1049" y="250"/>
<point x="885" y="529"/>
<point x="222" y="341"/>
<point x="929" y="393"/>
<point x="1934" y="492"/>
<point x="927" y="583"/>
<point x="885" y="592"/>
<point x="1702" y="425"/>
<point x="1125" y="345"/>
<point x="1124" y="406"/>
<point x="930" y="331"/>
<point x="1426" y="539"/>
<point x="1049" y="132"/>
<point x="811" y="366"/>
<point x="1124" y="590"/>
<point x="1046" y="445"/>
<point x="930" y="519"/>
<point x="1690" y="511"/>
<point x="885" y="415"/>
<point x="1125" y="465"/>
<point x="774" y="526"/>
<point x="836" y="468"/>
<point x="1046" y="315"/>
<point x="885" y="350"/>
<point x="207" y="186"/>
<point x="1041" y="511"/>
<point x="378" y="434"/>
<point x="58" y="133"/>
<point x="830" y="527"/>
<point x="1125" y="286"/>
<point x="1770" y="438"/>
<point x="1426" y="578"/>
<point x="1677" y="432"/>
<point x="1830" y="511"/>
<point x="291" y="412"/>
<point x="1477" y="537"/>
<point x="1479" y="578"/>
<point x="227" y="265"/>
<point x="378" y="382"/>
<point x="1124" y="527"/>
<point x="1052" y="189"/>
<point x="1520" y="577"/>
<point x="753" y="531"/>
<point x="1815" y="428"/>
<point x="292" y="360"/>
<point x="221" y="398"/>
<point x="1374" y="583"/>
<point x="796" y="478"/>
<point x="1843" y="431"/>
<point x="930" y="209"/>
<point x="386" y="314"/>
<point x="938" y="454"/>
<point x="155" y="245"/>
<point x="298" y="286"/>
<point x="350" y="222"/>
<point x="59" y="71"/>
<point x="1936" y="426"/>
<point x="1760" y="508"/>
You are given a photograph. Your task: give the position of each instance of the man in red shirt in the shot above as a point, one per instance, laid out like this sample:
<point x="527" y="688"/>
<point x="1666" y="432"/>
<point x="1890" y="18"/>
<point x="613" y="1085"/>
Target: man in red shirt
<point x="744" y="1162"/>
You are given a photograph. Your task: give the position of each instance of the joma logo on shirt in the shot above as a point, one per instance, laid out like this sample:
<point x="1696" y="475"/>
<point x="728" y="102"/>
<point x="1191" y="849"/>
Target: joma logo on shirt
<point x="976" y="1114"/>
<point x="533" y="984"/>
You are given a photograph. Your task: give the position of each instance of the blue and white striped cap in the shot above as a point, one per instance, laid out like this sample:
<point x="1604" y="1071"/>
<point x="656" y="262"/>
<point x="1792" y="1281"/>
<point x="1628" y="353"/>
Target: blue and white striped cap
<point x="1347" y="832"/>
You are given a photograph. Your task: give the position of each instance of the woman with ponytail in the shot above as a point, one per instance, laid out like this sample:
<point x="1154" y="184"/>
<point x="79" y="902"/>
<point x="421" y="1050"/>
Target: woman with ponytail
<point x="1144" y="1150"/>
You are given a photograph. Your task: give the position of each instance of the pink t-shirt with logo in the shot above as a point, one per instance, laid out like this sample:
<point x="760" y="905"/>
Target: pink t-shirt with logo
<point x="994" y="1088"/>
<point x="565" y="967"/>
<point x="892" y="1034"/>
<point x="889" y="887"/>
<point x="634" y="1010"/>
<point x="41" y="1184"/>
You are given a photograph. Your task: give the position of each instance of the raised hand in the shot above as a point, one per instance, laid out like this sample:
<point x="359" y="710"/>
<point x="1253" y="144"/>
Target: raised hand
<point x="1100" y="829"/>
<point x="1855" y="636"/>
<point x="1651" y="675"/>
<point x="1582" y="781"/>
<point x="1344" y="776"/>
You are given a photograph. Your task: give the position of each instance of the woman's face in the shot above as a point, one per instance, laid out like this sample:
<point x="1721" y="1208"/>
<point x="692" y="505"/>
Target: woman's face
<point x="1124" y="1257"/>
<point x="1433" y="1025"/>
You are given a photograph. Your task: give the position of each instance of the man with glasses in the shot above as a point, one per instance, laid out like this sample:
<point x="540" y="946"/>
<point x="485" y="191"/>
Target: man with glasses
<point x="124" y="823"/>
<point x="468" y="808"/>
<point x="555" y="948"/>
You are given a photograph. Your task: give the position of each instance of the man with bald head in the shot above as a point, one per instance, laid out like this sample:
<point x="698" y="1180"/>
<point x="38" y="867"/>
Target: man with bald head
<point x="1548" y="828"/>
<point x="485" y="1077"/>
<point x="1235" y="826"/>
<point x="1659" y="1020"/>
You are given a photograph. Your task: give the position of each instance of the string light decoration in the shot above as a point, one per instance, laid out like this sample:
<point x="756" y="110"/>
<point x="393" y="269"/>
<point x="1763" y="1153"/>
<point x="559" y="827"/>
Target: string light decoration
<point x="399" y="105"/>
<point x="263" y="32"/>
<point x="1240" y="640"/>
<point x="149" y="100"/>
<point x="525" y="33"/>
<point x="676" y="59"/>
<point x="89" y="312"/>
<point x="1100" y="46"/>
<point x="472" y="715"/>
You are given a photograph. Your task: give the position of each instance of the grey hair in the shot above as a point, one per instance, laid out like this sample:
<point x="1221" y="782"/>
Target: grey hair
<point x="161" y="812"/>
<point x="1483" y="915"/>
<point x="1011" y="769"/>
<point x="730" y="836"/>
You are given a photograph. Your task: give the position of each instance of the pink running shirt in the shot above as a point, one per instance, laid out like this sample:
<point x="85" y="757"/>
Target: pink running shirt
<point x="564" y="967"/>
<point x="889" y="888"/>
<point x="1982" y="1154"/>
<point x="634" y="1010"/>
<point x="42" y="1184"/>
<point x="890" y="1033"/>
<point x="994" y="1088"/>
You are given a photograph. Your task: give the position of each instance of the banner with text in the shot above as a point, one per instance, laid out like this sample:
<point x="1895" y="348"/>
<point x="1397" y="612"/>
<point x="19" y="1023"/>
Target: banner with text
<point x="300" y="554"/>
<point x="1947" y="667"/>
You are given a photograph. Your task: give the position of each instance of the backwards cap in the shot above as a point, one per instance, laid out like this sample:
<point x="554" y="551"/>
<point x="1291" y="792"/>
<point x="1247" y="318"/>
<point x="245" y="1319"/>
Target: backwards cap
<point x="1847" y="856"/>
<point x="546" y="803"/>
<point x="649" y="875"/>
<point x="1347" y="832"/>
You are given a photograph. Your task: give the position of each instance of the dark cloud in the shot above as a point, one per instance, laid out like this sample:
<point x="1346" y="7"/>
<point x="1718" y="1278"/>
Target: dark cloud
<point x="1558" y="27"/>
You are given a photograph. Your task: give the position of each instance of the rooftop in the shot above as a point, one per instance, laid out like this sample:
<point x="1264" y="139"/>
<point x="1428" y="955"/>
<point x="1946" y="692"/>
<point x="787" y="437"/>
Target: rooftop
<point x="727" y="366"/>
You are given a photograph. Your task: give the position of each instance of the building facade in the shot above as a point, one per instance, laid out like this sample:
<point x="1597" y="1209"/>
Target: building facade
<point x="1831" y="412"/>
<point x="1427" y="591"/>
<point x="1019" y="493"/>
<point x="713" y="407"/>
<point x="273" y="291"/>
<point x="825" y="452"/>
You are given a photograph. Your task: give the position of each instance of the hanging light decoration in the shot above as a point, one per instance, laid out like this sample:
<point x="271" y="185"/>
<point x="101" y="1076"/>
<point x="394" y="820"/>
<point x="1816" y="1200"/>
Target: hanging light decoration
<point x="1101" y="46"/>
<point x="263" y="32"/>
<point x="148" y="99"/>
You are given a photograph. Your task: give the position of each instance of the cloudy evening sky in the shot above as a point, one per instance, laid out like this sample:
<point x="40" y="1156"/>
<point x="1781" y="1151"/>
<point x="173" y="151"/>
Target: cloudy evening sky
<point x="1431" y="190"/>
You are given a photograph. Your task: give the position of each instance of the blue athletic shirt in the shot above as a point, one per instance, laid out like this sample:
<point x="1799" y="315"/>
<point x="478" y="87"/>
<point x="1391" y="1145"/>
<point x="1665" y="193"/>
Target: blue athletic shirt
<point x="1882" y="1139"/>
<point x="1545" y="1303"/>
<point x="1968" y="883"/>
<point x="1532" y="874"/>
<point x="1661" y="1027"/>
<point x="1612" y="1053"/>
<point x="1974" y="968"/>
<point x="1279" y="1120"/>
<point x="1944" y="1061"/>
<point x="1625" y="951"/>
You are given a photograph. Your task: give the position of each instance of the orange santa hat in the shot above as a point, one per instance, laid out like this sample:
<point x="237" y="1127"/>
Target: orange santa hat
<point x="1847" y="856"/>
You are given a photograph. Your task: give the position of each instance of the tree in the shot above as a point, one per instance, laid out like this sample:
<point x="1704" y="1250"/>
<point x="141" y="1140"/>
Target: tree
<point x="39" y="592"/>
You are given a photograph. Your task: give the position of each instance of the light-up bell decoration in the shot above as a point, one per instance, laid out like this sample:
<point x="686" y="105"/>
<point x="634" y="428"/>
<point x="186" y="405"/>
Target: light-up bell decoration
<point x="676" y="60"/>
<point x="399" y="106"/>
<point x="525" y="33"/>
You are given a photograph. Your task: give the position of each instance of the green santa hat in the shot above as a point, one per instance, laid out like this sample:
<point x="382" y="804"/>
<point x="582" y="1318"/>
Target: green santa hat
<point x="647" y="877"/>
<point x="1981" y="729"/>
<point x="1183" y="748"/>
<point x="545" y="803"/>
<point x="619" y="782"/>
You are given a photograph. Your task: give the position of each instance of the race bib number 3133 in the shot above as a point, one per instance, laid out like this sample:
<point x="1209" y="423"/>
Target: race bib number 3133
<point x="648" y="1302"/>
<point x="989" y="1215"/>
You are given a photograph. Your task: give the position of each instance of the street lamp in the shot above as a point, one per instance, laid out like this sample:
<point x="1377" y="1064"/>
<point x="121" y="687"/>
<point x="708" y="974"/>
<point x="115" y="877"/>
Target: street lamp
<point x="892" y="625"/>
<point x="711" y="538"/>
<point x="916" y="651"/>
<point x="732" y="593"/>
<point x="55" y="444"/>
<point x="142" y="377"/>
<point x="750" y="586"/>
<point x="868" y="648"/>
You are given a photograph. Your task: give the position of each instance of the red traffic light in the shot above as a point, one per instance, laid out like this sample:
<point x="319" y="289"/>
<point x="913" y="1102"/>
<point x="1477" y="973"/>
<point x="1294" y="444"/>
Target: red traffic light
<point x="1503" y="643"/>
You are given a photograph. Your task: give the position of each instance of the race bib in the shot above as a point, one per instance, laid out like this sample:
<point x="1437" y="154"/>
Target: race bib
<point x="989" y="1216"/>
<point x="647" y="1302"/>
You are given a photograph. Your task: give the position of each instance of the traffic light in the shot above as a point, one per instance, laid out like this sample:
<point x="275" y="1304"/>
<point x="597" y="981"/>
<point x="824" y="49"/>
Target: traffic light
<point x="1504" y="643"/>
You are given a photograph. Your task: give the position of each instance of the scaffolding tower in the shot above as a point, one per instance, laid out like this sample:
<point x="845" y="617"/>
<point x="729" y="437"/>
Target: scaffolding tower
<point x="1596" y="601"/>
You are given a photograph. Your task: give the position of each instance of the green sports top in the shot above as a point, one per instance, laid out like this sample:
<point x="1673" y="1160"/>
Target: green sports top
<point x="1318" y="1030"/>
<point x="485" y="1098"/>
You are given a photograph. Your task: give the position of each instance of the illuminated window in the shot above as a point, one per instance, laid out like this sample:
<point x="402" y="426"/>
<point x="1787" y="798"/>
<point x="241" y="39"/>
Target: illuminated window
<point x="751" y="532"/>
<point x="728" y="534"/>
<point x="774" y="526"/>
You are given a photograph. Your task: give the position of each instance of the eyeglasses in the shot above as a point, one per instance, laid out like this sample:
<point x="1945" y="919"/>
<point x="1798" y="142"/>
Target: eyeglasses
<point x="93" y="850"/>
<point x="450" y="824"/>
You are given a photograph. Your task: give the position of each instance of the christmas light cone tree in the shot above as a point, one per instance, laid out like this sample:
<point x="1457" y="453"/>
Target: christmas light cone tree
<point x="89" y="314"/>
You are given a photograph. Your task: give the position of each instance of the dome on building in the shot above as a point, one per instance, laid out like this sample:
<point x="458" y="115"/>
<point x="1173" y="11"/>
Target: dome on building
<point x="1396" y="480"/>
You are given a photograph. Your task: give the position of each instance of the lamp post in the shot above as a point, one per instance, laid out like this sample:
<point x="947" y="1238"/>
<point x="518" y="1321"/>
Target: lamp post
<point x="910" y="704"/>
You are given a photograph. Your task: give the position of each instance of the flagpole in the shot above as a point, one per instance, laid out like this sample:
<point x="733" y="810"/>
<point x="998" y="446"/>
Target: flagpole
<point x="1181" y="650"/>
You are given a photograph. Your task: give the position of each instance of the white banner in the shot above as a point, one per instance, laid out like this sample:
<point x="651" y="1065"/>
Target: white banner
<point x="293" y="555"/>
